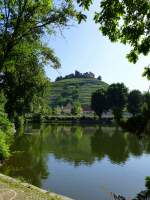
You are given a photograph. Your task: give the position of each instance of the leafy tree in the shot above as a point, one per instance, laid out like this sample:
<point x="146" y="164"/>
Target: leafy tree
<point x="147" y="182"/>
<point x="146" y="105"/>
<point x="6" y="130"/>
<point x="25" y="19"/>
<point x="23" y="53"/>
<point x="6" y="134"/>
<point x="77" y="108"/>
<point x="2" y="101"/>
<point x="75" y="94"/>
<point x="99" y="78"/>
<point x="117" y="99"/>
<point x="77" y="74"/>
<point x="4" y="148"/>
<point x="99" y="102"/>
<point x="126" y="22"/>
<point x="134" y="102"/>
<point x="26" y="83"/>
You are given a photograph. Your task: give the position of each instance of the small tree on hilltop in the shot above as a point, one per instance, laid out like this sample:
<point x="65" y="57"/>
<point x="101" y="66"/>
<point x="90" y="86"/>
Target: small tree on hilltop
<point x="99" y="78"/>
<point x="99" y="102"/>
<point x="117" y="98"/>
<point x="134" y="102"/>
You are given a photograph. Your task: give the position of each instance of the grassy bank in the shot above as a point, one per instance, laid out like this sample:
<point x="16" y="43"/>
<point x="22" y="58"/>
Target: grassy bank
<point x="70" y="119"/>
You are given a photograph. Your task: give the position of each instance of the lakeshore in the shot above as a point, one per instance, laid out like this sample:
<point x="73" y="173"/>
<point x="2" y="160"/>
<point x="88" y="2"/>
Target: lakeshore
<point x="12" y="189"/>
<point x="79" y="161"/>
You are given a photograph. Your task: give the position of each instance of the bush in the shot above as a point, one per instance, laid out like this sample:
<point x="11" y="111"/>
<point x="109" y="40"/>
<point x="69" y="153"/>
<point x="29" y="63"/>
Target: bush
<point x="147" y="183"/>
<point x="6" y="136"/>
<point x="4" y="147"/>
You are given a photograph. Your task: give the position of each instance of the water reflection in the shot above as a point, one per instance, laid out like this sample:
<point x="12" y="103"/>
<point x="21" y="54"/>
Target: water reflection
<point x="77" y="145"/>
<point x="117" y="145"/>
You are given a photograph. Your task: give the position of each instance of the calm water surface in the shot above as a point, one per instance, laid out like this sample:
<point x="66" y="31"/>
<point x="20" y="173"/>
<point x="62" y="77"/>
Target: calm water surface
<point x="82" y="162"/>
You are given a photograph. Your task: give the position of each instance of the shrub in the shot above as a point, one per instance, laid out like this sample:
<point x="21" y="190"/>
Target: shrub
<point x="6" y="136"/>
<point x="147" y="182"/>
<point x="4" y="147"/>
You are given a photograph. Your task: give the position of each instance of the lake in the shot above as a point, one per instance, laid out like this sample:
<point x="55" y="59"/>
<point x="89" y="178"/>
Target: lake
<point x="81" y="162"/>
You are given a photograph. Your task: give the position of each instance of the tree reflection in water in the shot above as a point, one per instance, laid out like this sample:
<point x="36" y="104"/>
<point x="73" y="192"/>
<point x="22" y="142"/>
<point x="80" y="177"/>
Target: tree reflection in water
<point x="78" y="145"/>
<point x="118" y="146"/>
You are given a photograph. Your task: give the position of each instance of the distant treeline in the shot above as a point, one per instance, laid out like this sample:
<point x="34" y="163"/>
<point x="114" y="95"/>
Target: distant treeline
<point x="78" y="74"/>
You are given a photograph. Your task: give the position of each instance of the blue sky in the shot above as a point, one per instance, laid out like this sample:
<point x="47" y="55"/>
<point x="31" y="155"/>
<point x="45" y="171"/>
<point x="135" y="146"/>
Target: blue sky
<point x="82" y="47"/>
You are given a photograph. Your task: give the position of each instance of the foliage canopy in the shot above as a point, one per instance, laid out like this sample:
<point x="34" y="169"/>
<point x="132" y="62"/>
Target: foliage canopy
<point x="134" y="102"/>
<point x="99" y="102"/>
<point x="23" y="53"/>
<point x="125" y="21"/>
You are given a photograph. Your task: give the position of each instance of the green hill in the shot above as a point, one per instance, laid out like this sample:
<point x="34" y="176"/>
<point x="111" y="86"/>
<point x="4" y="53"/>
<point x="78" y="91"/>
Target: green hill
<point x="69" y="90"/>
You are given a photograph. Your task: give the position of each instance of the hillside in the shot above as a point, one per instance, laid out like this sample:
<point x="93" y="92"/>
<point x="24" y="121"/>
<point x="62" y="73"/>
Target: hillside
<point x="75" y="88"/>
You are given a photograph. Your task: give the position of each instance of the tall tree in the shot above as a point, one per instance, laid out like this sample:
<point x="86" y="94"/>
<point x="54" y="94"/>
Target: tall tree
<point x="134" y="102"/>
<point x="30" y="19"/>
<point x="99" y="102"/>
<point x="23" y="53"/>
<point x="146" y="105"/>
<point x="117" y="99"/>
<point x="26" y="80"/>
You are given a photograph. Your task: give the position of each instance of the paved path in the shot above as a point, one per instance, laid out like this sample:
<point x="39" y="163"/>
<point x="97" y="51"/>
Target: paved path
<point x="11" y="189"/>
